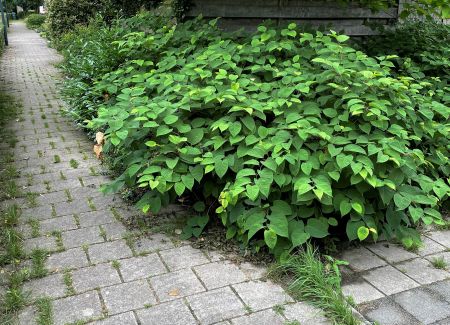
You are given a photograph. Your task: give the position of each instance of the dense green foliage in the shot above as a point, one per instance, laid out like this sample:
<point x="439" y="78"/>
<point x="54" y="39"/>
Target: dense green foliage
<point x="283" y="135"/>
<point x="65" y="15"/>
<point x="35" y="21"/>
<point x="26" y="4"/>
<point x="426" y="44"/>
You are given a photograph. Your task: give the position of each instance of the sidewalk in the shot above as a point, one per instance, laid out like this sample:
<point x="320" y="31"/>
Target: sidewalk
<point x="98" y="272"/>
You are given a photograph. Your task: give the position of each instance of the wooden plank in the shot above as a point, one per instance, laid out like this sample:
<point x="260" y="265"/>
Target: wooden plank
<point x="284" y="9"/>
<point x="354" y="27"/>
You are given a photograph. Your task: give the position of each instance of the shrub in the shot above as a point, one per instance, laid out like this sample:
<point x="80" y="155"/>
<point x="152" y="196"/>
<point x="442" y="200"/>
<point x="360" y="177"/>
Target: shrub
<point x="426" y="43"/>
<point x="35" y="21"/>
<point x="89" y="53"/>
<point x="286" y="136"/>
<point x="64" y="15"/>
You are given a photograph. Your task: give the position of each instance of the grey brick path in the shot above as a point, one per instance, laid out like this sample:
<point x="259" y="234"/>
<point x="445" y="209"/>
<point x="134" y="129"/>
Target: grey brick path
<point x="395" y="287"/>
<point x="94" y="276"/>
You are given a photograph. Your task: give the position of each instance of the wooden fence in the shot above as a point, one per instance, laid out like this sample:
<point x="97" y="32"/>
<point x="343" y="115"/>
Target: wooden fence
<point x="352" y="19"/>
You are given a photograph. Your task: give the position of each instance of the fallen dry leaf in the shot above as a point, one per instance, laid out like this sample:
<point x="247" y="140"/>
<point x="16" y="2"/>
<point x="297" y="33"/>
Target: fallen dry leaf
<point x="100" y="137"/>
<point x="98" y="148"/>
<point x="174" y="292"/>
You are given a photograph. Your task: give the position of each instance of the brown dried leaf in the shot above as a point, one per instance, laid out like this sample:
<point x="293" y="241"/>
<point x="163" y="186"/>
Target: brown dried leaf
<point x="174" y="292"/>
<point x="98" y="148"/>
<point x="100" y="138"/>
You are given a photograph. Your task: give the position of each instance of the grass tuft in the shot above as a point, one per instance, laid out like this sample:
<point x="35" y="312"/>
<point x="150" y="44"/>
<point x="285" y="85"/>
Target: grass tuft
<point x="317" y="280"/>
<point x="439" y="263"/>
<point x="44" y="311"/>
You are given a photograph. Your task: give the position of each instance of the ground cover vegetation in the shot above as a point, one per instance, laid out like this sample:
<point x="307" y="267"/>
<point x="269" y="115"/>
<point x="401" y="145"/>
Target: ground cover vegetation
<point x="13" y="257"/>
<point x="283" y="135"/>
<point x="35" y="21"/>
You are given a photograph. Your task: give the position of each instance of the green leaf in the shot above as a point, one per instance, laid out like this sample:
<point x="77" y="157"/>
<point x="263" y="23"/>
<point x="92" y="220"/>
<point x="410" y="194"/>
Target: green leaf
<point x="363" y="233"/>
<point x="122" y="134"/>
<point x="170" y="119"/>
<point x="415" y="213"/>
<point x="179" y="188"/>
<point x="281" y="207"/>
<point x="317" y="228"/>
<point x="299" y="237"/>
<point x="307" y="167"/>
<point x="188" y="181"/>
<point x="195" y="136"/>
<point x="252" y="192"/>
<point x="352" y="229"/>
<point x="343" y="160"/>
<point x="401" y="201"/>
<point x="357" y="207"/>
<point x="279" y="224"/>
<point x="345" y="207"/>
<point x="270" y="237"/>
<point x="342" y="38"/>
<point x="171" y="163"/>
<point x="221" y="167"/>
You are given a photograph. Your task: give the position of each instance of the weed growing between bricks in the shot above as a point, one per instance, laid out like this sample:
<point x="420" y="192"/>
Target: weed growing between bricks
<point x="316" y="280"/>
<point x="11" y="245"/>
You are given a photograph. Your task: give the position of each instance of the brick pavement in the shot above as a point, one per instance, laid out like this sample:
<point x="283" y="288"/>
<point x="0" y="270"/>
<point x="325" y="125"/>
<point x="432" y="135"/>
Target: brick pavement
<point x="95" y="275"/>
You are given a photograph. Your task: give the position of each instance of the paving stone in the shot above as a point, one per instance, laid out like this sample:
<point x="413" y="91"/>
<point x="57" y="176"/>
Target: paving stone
<point x="170" y="313"/>
<point x="444" y="255"/>
<point x="79" y="237"/>
<point x="141" y="267"/>
<point x="57" y="224"/>
<point x="361" y="291"/>
<point x="386" y="312"/>
<point x="176" y="284"/>
<point x="50" y="286"/>
<point x="75" y="207"/>
<point x="114" y="230"/>
<point x="422" y="271"/>
<point x="253" y="272"/>
<point x="155" y="242"/>
<point x="305" y="314"/>
<point x="444" y="322"/>
<point x="27" y="316"/>
<point x="38" y="213"/>
<point x="77" y="308"/>
<point x="183" y="257"/>
<point x="71" y="259"/>
<point x="101" y="275"/>
<point x="388" y="280"/>
<point x="127" y="296"/>
<point x="441" y="288"/>
<point x="261" y="295"/>
<point x="361" y="259"/>
<point x="441" y="237"/>
<point x="217" y="305"/>
<point x="109" y="251"/>
<point x="121" y="319"/>
<point x="265" y="317"/>
<point x="423" y="305"/>
<point x="229" y="274"/>
<point x="391" y="252"/>
<point x="214" y="256"/>
<point x="96" y="218"/>
<point x="430" y="247"/>
<point x="45" y="242"/>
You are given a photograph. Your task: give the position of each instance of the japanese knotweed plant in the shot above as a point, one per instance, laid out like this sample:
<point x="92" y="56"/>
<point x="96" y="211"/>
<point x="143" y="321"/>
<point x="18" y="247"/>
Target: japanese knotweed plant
<point x="284" y="135"/>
